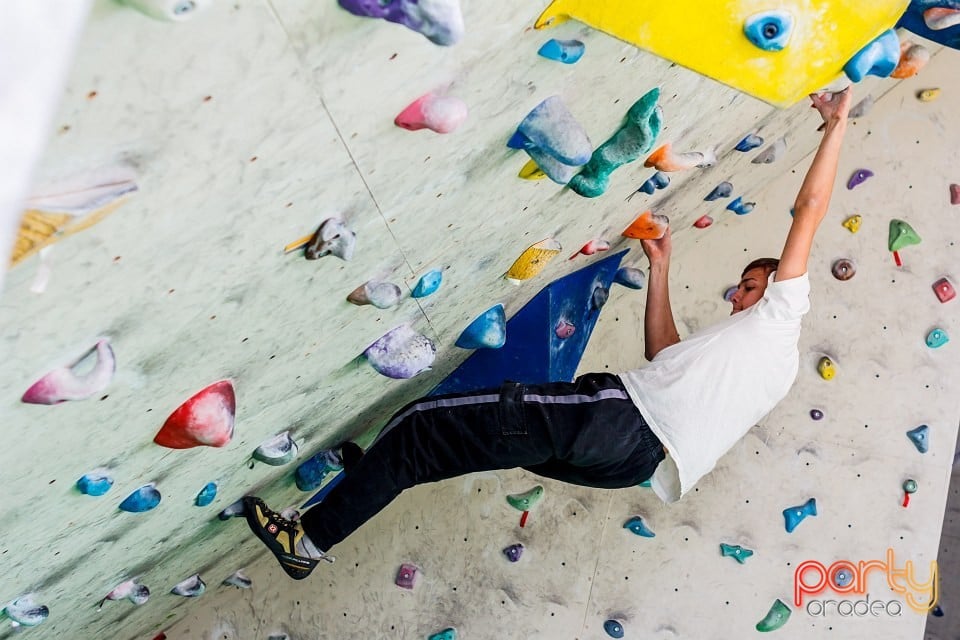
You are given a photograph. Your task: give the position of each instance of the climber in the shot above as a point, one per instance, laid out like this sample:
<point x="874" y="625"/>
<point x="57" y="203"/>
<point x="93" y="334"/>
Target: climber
<point x="668" y="422"/>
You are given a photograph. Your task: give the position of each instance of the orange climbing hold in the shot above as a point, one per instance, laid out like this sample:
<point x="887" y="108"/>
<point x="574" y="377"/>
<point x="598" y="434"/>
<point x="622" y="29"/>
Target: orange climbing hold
<point x="913" y="57"/>
<point x="647" y="227"/>
<point x="665" y="159"/>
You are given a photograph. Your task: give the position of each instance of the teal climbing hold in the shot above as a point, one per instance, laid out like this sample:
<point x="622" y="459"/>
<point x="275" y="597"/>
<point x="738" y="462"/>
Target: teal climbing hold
<point x="447" y="634"/>
<point x="777" y="617"/>
<point x="428" y="284"/>
<point x="937" y="338"/>
<point x="793" y="516"/>
<point x="919" y="438"/>
<point x="634" y="138"/>
<point x="910" y="486"/>
<point x="738" y="553"/>
<point x="527" y="500"/>
<point x="206" y="495"/>
<point x="636" y="526"/>
<point x="565" y="51"/>
<point x="143" y="499"/>
<point x="24" y="612"/>
<point x="646" y="483"/>
<point x="901" y="235"/>
<point x="312" y="473"/>
<point x="487" y="331"/>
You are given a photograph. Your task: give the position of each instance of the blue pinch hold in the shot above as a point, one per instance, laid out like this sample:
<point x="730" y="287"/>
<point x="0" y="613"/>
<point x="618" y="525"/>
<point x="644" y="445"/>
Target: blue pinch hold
<point x="630" y="277"/>
<point x="919" y="438"/>
<point x="636" y="525"/>
<point x="143" y="499"/>
<point x="937" y="338"/>
<point x="613" y="628"/>
<point x="722" y="190"/>
<point x="741" y="208"/>
<point x="95" y="483"/>
<point x="769" y="30"/>
<point x="795" y="515"/>
<point x="206" y="495"/>
<point x="878" y="58"/>
<point x="428" y="284"/>
<point x="487" y="331"/>
<point x="751" y="141"/>
<point x="738" y="553"/>
<point x="312" y="473"/>
<point x="565" y="51"/>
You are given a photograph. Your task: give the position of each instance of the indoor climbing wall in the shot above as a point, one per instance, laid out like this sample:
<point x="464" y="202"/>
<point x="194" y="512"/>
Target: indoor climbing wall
<point x="262" y="226"/>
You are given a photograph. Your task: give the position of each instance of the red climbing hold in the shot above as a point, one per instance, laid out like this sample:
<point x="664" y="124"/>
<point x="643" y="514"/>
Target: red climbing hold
<point x="206" y="419"/>
<point x="703" y="222"/>
<point x="955" y="194"/>
<point x="944" y="290"/>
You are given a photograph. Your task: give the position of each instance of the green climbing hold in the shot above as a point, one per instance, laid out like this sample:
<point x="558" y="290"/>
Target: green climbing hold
<point x="738" y="553"/>
<point x="901" y="235"/>
<point x="447" y="634"/>
<point x="526" y="501"/>
<point x="634" y="138"/>
<point x="777" y="617"/>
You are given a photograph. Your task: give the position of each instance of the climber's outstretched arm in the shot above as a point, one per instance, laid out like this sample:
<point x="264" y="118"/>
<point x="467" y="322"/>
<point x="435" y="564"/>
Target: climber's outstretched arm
<point x="659" y="330"/>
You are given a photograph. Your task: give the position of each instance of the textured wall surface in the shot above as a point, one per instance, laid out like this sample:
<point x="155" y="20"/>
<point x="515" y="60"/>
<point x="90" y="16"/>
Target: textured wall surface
<point x="255" y="121"/>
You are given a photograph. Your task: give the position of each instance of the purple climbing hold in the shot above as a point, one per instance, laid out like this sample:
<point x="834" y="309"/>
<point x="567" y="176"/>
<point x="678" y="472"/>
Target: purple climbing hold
<point x="407" y="576"/>
<point x="401" y="353"/>
<point x="859" y="177"/>
<point x="816" y="414"/>
<point x="513" y="552"/>
<point x="440" y="21"/>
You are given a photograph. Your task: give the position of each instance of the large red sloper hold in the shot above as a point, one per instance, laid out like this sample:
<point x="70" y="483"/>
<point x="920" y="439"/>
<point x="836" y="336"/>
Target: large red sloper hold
<point x="206" y="419"/>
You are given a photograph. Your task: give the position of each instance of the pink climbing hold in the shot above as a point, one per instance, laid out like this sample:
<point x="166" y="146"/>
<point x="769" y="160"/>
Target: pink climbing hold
<point x="407" y="576"/>
<point x="64" y="384"/>
<point x="564" y="329"/>
<point x="592" y="247"/>
<point x="955" y="194"/>
<point x="703" y="222"/>
<point x="206" y="419"/>
<point x="442" y="114"/>
<point x="944" y="290"/>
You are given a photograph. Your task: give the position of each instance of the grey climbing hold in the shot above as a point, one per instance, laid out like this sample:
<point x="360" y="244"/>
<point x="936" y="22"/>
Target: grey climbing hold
<point x="382" y="295"/>
<point x="630" y="277"/>
<point x="238" y="579"/>
<point x="332" y="237"/>
<point x="277" y="450"/>
<point x="722" y="190"/>
<point x="772" y="153"/>
<point x="192" y="587"/>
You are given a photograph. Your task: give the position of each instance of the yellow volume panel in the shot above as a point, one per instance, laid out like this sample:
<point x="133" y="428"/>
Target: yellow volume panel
<point x="775" y="50"/>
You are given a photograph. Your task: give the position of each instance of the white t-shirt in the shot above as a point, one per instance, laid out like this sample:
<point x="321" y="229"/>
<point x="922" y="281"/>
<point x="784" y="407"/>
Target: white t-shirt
<point x="701" y="395"/>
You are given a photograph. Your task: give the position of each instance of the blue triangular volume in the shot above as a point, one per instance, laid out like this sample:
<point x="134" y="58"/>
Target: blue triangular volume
<point x="534" y="353"/>
<point x="518" y="141"/>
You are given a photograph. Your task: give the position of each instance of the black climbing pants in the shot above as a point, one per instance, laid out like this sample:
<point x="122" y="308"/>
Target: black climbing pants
<point x="587" y="432"/>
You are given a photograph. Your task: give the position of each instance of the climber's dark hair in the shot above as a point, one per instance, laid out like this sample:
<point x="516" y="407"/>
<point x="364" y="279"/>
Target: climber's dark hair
<point x="769" y="265"/>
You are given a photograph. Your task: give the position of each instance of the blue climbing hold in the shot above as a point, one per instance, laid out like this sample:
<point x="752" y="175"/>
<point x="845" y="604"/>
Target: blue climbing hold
<point x="554" y="139"/>
<point x="722" y="190"/>
<point x="206" y="495"/>
<point x="769" y="30"/>
<point x="613" y="628"/>
<point x="659" y="180"/>
<point x="447" y="634"/>
<point x="842" y="577"/>
<point x="630" y="277"/>
<point x="565" y="51"/>
<point x="740" y="207"/>
<point x="488" y="331"/>
<point x="636" y="525"/>
<point x="795" y="515"/>
<point x="919" y="438"/>
<point x="878" y="58"/>
<point x="95" y="483"/>
<point x="312" y="473"/>
<point x="428" y="284"/>
<point x="751" y="141"/>
<point x="937" y="611"/>
<point x="143" y="499"/>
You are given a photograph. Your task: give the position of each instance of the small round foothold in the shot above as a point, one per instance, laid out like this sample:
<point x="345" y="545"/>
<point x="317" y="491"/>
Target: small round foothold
<point x="613" y="628"/>
<point x="843" y="269"/>
<point x="910" y="486"/>
<point x="842" y="577"/>
<point x="928" y="95"/>
<point x="816" y="414"/>
<point x="826" y="368"/>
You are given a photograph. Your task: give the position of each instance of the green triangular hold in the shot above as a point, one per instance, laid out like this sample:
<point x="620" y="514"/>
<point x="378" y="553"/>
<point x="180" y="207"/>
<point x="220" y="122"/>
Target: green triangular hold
<point x="901" y="235"/>
<point x="526" y="501"/>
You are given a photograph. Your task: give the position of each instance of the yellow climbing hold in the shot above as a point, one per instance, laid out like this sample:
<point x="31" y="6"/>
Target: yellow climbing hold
<point x="853" y="223"/>
<point x="928" y="95"/>
<point x="531" y="171"/>
<point x="826" y="368"/>
<point x="534" y="259"/>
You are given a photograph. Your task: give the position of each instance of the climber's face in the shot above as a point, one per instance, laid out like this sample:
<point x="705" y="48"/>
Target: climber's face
<point x="750" y="290"/>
